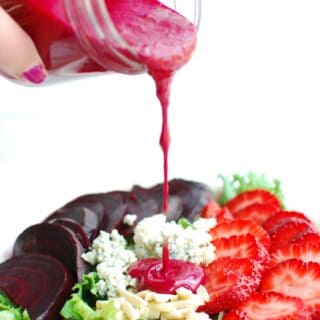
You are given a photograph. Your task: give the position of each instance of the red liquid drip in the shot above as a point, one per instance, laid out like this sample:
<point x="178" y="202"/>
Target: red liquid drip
<point x="167" y="275"/>
<point x="165" y="258"/>
<point x="163" y="83"/>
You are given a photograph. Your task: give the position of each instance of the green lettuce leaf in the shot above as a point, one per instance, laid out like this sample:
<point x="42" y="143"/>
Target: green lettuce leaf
<point x="236" y="184"/>
<point x="81" y="305"/>
<point x="9" y="311"/>
<point x="184" y="223"/>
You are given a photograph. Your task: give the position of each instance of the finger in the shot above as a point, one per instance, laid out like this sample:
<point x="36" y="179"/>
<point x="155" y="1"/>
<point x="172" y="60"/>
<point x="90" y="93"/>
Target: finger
<point x="18" y="55"/>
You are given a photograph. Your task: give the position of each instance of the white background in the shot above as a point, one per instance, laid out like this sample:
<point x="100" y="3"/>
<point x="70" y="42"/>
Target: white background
<point x="248" y="100"/>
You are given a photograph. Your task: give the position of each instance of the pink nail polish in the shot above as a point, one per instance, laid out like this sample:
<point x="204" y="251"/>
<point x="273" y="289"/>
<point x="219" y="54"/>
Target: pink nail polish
<point x="36" y="74"/>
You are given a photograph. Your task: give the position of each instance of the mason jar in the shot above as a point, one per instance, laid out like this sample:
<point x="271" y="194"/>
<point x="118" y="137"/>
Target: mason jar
<point x="77" y="37"/>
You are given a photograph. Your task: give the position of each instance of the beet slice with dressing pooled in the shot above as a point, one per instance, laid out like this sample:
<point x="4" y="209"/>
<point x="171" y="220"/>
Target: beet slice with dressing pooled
<point x="38" y="283"/>
<point x="54" y="240"/>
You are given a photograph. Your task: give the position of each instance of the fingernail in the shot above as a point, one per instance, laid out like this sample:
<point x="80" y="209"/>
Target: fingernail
<point x="36" y="74"/>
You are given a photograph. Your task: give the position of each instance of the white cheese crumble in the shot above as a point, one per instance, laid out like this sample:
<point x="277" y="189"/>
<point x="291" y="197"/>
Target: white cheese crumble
<point x="190" y="244"/>
<point x="112" y="259"/>
<point x="130" y="219"/>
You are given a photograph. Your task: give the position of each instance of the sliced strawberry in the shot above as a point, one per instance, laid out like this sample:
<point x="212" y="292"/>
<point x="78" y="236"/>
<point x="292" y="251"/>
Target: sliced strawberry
<point x="288" y="233"/>
<point x="210" y="210"/>
<point x="224" y="215"/>
<point x="248" y="198"/>
<point x="241" y="266"/>
<point x="311" y="237"/>
<point x="213" y="210"/>
<point x="235" y="315"/>
<point x="297" y="279"/>
<point x="283" y="217"/>
<point x="257" y="212"/>
<point x="307" y="252"/>
<point x="239" y="227"/>
<point x="273" y="306"/>
<point x="229" y="282"/>
<point x="243" y="246"/>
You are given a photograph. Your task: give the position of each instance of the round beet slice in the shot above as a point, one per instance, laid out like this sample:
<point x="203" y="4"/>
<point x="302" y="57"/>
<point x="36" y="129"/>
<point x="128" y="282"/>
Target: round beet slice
<point x="193" y="195"/>
<point x="54" y="240"/>
<point x="89" y="218"/>
<point x="109" y="208"/>
<point x="115" y="206"/>
<point x="39" y="283"/>
<point x="76" y="228"/>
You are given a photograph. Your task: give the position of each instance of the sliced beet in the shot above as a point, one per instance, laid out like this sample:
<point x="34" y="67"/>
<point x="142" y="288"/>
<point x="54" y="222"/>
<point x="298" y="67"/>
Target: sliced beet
<point x="186" y="199"/>
<point x="141" y="207"/>
<point x="89" y="218"/>
<point x="54" y="240"/>
<point x="115" y="206"/>
<point x="109" y="208"/>
<point x="175" y="203"/>
<point x="76" y="228"/>
<point x="39" y="283"/>
<point x="193" y="195"/>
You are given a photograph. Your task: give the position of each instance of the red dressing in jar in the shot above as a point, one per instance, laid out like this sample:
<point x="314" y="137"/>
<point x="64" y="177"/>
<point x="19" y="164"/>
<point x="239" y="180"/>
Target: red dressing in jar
<point x="128" y="36"/>
<point x="167" y="275"/>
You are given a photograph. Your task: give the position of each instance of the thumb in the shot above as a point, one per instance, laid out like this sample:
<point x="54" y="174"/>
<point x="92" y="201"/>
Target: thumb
<point x="18" y="55"/>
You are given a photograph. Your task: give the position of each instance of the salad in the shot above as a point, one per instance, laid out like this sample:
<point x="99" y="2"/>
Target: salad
<point x="115" y="256"/>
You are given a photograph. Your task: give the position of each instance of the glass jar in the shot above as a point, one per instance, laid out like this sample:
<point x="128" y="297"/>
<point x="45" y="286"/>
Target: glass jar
<point x="78" y="36"/>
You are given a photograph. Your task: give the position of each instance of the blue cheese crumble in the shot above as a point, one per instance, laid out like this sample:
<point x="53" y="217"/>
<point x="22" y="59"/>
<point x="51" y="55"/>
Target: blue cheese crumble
<point x="112" y="260"/>
<point x="130" y="219"/>
<point x="190" y="244"/>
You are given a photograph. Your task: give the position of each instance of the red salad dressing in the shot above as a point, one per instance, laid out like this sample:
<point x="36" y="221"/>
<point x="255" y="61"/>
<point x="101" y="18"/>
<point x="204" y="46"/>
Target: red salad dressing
<point x="161" y="39"/>
<point x="167" y="275"/>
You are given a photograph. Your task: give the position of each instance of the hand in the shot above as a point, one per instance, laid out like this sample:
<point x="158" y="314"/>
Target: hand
<point x="18" y="55"/>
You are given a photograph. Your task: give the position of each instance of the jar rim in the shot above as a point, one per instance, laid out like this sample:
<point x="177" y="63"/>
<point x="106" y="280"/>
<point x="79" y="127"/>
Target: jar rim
<point x="91" y="19"/>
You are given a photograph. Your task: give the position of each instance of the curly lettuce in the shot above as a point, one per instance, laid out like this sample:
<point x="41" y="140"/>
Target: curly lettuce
<point x="236" y="184"/>
<point x="81" y="305"/>
<point x="9" y="311"/>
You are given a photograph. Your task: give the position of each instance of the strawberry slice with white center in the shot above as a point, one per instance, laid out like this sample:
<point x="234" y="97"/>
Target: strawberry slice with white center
<point x="270" y="306"/>
<point x="307" y="252"/>
<point x="228" y="282"/>
<point x="282" y="217"/>
<point x="297" y="279"/>
<point x="257" y="212"/>
<point x="240" y="227"/>
<point x="288" y="232"/>
<point x="248" y="198"/>
<point x="243" y="246"/>
<point x="310" y="237"/>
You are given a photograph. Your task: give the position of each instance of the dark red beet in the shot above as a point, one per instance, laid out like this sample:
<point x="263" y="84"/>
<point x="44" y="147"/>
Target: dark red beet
<point x="89" y="218"/>
<point x="140" y="204"/>
<point x="54" y="240"/>
<point x="39" y="283"/>
<point x="186" y="199"/>
<point x="76" y="228"/>
<point x="115" y="205"/>
<point x="109" y="208"/>
<point x="193" y="195"/>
